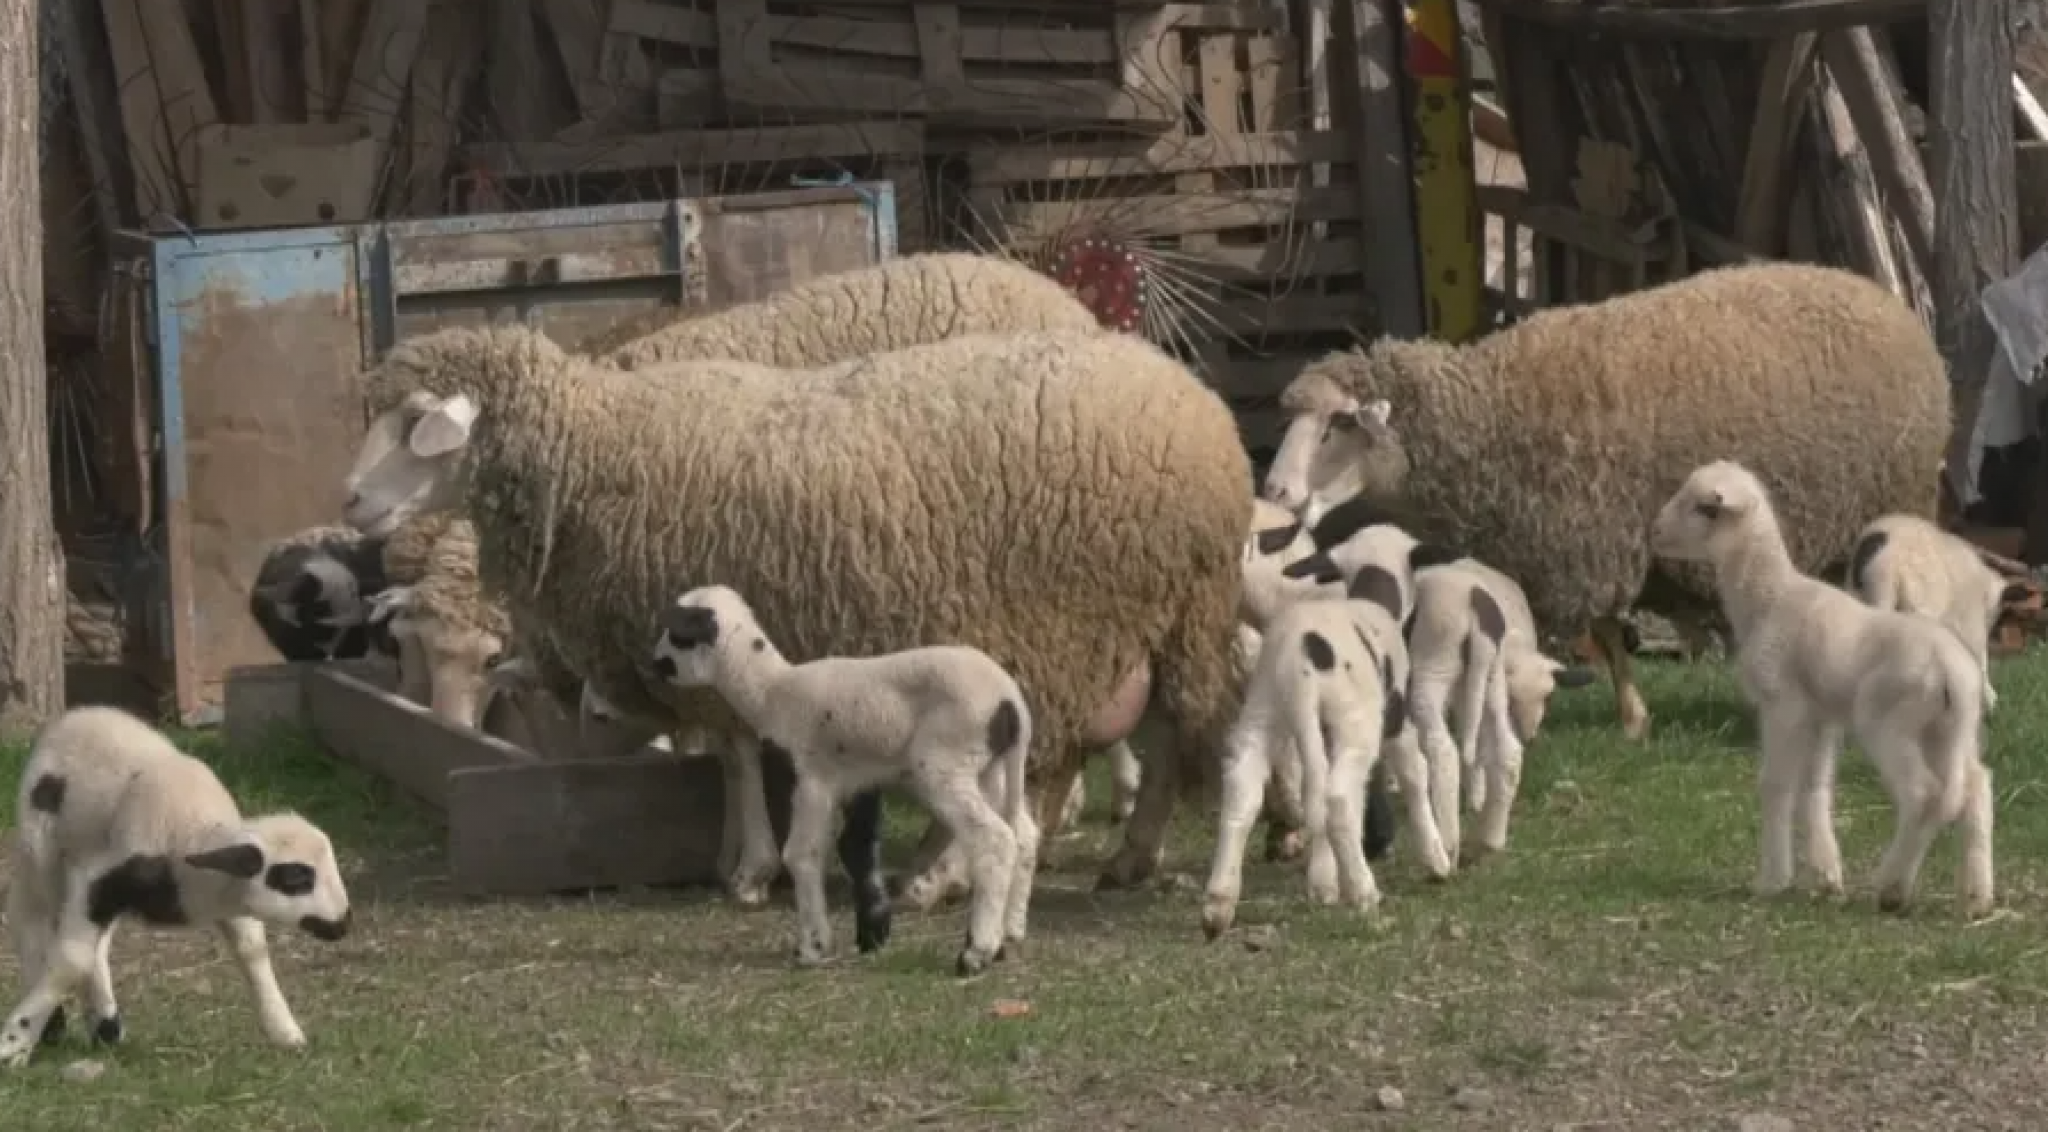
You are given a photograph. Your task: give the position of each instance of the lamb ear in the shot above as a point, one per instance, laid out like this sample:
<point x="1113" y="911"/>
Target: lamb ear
<point x="690" y="625"/>
<point x="444" y="429"/>
<point x="1273" y="540"/>
<point x="1317" y="567"/>
<point x="242" y="860"/>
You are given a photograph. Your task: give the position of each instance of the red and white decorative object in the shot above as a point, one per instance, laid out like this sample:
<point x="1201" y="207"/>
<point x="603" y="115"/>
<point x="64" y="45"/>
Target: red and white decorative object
<point x="1107" y="277"/>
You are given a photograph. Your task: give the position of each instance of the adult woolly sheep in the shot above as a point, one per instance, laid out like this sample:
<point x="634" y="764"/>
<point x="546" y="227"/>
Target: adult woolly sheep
<point x="312" y="592"/>
<point x="892" y="306"/>
<point x="1072" y="505"/>
<point x="114" y="823"/>
<point x="1817" y="664"/>
<point x="1906" y="563"/>
<point x="1545" y="449"/>
<point x="946" y="718"/>
<point x="445" y="624"/>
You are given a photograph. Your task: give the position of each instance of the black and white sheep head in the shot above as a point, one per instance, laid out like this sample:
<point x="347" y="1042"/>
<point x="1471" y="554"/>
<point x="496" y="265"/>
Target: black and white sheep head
<point x="1532" y="677"/>
<point x="1376" y="563"/>
<point x="310" y="605"/>
<point x="697" y="633"/>
<point x="1332" y="452"/>
<point x="1716" y="508"/>
<point x="1276" y="536"/>
<point x="282" y="871"/>
<point x="410" y="462"/>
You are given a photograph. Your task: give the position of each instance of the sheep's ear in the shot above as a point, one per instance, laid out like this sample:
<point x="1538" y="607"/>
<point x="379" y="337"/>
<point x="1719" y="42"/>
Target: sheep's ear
<point x="690" y="625"/>
<point x="444" y="428"/>
<point x="1275" y="539"/>
<point x="1572" y="675"/>
<point x="1316" y="567"/>
<point x="1426" y="554"/>
<point x="241" y="860"/>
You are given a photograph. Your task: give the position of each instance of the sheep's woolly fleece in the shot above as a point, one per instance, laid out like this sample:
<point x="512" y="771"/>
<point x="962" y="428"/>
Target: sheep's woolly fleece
<point x="902" y="303"/>
<point x="1071" y="505"/>
<point x="1547" y="448"/>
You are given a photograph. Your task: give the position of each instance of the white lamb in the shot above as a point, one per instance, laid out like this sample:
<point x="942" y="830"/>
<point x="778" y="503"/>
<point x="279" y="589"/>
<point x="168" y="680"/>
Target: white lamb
<point x="115" y="823"/>
<point x="1472" y="649"/>
<point x="1906" y="563"/>
<point x="948" y="718"/>
<point x="1816" y="663"/>
<point x="1328" y="691"/>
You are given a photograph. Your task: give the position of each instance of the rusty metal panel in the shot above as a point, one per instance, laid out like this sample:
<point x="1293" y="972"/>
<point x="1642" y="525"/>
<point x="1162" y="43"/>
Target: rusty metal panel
<point x="259" y="348"/>
<point x="260" y="339"/>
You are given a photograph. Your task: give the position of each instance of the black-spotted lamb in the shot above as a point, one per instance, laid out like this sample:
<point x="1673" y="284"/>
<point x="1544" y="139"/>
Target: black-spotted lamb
<point x="1097" y="560"/>
<point x="1328" y="692"/>
<point x="1817" y="663"/>
<point x="1906" y="563"/>
<point x="945" y="718"/>
<point x="1546" y="448"/>
<point x="115" y="824"/>
<point x="1474" y="658"/>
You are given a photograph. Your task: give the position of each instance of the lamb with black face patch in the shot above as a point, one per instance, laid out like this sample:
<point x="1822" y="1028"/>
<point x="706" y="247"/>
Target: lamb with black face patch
<point x="312" y="595"/>
<point x="947" y="719"/>
<point x="115" y="824"/>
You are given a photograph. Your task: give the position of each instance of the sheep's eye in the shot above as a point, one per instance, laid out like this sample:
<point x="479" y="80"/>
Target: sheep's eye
<point x="289" y="879"/>
<point x="1709" y="510"/>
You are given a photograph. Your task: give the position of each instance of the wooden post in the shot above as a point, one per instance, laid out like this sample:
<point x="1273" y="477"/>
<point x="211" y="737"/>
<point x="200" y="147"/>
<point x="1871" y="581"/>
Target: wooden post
<point x="1446" y="203"/>
<point x="1970" y="124"/>
<point x="1386" y="193"/>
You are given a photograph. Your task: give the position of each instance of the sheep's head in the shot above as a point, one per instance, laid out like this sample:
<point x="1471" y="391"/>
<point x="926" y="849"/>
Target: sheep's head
<point x="696" y="631"/>
<point x="1711" y="511"/>
<point x="285" y="873"/>
<point x="1332" y="451"/>
<point x="1531" y="678"/>
<point x="410" y="462"/>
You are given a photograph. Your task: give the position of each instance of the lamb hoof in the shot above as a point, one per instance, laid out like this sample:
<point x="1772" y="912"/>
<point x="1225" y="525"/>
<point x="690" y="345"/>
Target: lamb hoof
<point x="871" y="927"/>
<point x="805" y="958"/>
<point x="291" y="1038"/>
<point x="53" y="1029"/>
<point x="973" y="961"/>
<point x="1218" y="913"/>
<point x="1892" y="899"/>
<point x="1012" y="950"/>
<point x="106" y="1031"/>
<point x="1978" y="906"/>
<point x="1125" y="870"/>
<point x="1637" y="729"/>
<point x="14" y="1054"/>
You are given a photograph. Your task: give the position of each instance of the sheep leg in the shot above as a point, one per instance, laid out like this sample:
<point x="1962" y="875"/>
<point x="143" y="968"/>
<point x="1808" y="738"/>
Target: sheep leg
<point x="31" y="923"/>
<point x="1916" y="814"/>
<point x="1428" y="690"/>
<point x="937" y="872"/>
<point x="101" y="1008"/>
<point x="1471" y="687"/>
<point x="957" y="798"/>
<point x="1077" y="800"/>
<point x="1610" y="638"/>
<point x="1124" y="775"/>
<point x="1823" y="853"/>
<point x="860" y="855"/>
<point x="1144" y="842"/>
<point x="811" y="807"/>
<point x="1315" y="804"/>
<point x="1246" y="768"/>
<point x="67" y="961"/>
<point x="1974" y="873"/>
<point x="759" y="862"/>
<point x="1789" y="742"/>
<point x="247" y="941"/>
<point x="1501" y="764"/>
<point x="995" y="783"/>
<point x="415" y="674"/>
<point x="1285" y="839"/>
<point x="1351" y="765"/>
<point x="1412" y="772"/>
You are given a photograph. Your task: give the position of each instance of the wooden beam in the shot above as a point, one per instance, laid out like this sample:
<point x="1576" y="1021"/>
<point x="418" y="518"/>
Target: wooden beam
<point x="1970" y="146"/>
<point x="1691" y="19"/>
<point x="1780" y="103"/>
<point x="1851" y="189"/>
<point x="1371" y="30"/>
<point x="89" y="77"/>
<point x="1859" y="73"/>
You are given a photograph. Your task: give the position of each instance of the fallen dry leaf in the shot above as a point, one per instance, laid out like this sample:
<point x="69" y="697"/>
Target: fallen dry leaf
<point x="1010" y="1008"/>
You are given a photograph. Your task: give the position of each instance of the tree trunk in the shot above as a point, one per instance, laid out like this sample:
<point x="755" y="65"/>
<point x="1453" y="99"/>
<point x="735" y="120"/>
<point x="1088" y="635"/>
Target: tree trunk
<point x="31" y="567"/>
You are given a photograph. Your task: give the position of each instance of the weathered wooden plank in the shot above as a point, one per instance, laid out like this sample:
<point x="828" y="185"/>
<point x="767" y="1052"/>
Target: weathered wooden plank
<point x="312" y="62"/>
<point x="1689" y="19"/>
<point x="700" y="148"/>
<point x="939" y="46"/>
<point x="88" y="77"/>
<point x="594" y="823"/>
<point x="1765" y="198"/>
<point x="1370" y="31"/>
<point x="396" y="739"/>
<point x="1205" y="212"/>
<point x="1004" y="164"/>
<point x="1852" y="60"/>
<point x="389" y="44"/>
<point x="274" y="96"/>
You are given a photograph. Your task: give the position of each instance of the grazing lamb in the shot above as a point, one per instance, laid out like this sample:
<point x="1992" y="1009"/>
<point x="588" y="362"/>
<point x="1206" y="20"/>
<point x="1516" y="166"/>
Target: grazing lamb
<point x="1816" y="662"/>
<point x="1546" y="448"/>
<point x="1097" y="560"/>
<point x="114" y="823"/>
<point x="1328" y="690"/>
<point x="945" y="717"/>
<point x="312" y="592"/>
<point x="1906" y="563"/>
<point x="1473" y="653"/>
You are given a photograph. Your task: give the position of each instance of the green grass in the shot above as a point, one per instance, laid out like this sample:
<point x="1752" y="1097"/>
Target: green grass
<point x="1608" y="972"/>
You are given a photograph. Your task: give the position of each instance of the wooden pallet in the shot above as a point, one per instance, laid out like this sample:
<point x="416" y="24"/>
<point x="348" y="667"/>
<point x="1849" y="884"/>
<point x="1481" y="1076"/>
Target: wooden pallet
<point x="1254" y="191"/>
<point x="968" y="63"/>
<point x="518" y="825"/>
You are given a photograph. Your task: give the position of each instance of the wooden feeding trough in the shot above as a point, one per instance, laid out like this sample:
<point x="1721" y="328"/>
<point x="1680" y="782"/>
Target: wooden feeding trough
<point x="518" y="824"/>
